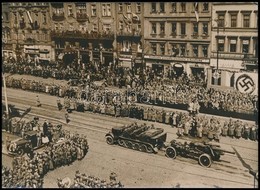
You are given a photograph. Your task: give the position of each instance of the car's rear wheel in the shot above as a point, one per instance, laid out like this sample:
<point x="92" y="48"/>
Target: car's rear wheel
<point x="171" y="152"/>
<point x="110" y="140"/>
<point x="205" y="160"/>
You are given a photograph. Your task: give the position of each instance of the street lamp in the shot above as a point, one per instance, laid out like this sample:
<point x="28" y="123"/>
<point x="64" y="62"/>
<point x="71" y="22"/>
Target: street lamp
<point x="216" y="74"/>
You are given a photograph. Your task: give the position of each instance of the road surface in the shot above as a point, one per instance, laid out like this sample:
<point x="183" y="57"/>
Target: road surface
<point x="136" y="169"/>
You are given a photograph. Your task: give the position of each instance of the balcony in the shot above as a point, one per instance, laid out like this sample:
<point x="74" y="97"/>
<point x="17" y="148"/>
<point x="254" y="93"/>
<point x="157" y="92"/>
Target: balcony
<point x="80" y="35"/>
<point x="195" y="35"/>
<point x="133" y="33"/>
<point x="250" y="59"/>
<point x="162" y="35"/>
<point x="227" y="55"/>
<point x="82" y="17"/>
<point x="58" y="17"/>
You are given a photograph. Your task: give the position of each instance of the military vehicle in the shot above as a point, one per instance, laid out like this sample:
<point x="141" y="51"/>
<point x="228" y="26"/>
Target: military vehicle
<point x="143" y="138"/>
<point x="205" y="153"/>
<point x="24" y="145"/>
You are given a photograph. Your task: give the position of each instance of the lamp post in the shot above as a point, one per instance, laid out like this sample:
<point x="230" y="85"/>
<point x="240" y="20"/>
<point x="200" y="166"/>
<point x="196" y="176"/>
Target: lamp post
<point x="216" y="74"/>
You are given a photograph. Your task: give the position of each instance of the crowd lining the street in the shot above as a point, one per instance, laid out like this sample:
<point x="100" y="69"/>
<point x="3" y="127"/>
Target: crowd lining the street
<point x="82" y="180"/>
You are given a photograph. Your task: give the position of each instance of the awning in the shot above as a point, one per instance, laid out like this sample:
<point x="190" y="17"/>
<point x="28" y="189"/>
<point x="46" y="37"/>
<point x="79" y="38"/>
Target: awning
<point x="178" y="65"/>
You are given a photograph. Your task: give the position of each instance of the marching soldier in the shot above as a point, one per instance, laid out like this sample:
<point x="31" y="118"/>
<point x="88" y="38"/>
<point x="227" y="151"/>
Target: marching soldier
<point x="231" y="129"/>
<point x="253" y="133"/>
<point x="246" y="131"/>
<point x="38" y="103"/>
<point x="211" y="133"/>
<point x="59" y="104"/>
<point x="167" y="118"/>
<point x="67" y="117"/>
<point x="199" y="130"/>
<point x="238" y="131"/>
<point x="225" y="129"/>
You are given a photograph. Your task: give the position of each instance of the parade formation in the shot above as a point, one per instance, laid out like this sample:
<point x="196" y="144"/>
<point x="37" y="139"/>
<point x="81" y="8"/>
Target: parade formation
<point x="88" y="92"/>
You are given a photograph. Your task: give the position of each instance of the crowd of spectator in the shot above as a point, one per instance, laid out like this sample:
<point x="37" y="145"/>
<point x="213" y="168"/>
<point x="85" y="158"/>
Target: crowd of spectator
<point x="81" y="180"/>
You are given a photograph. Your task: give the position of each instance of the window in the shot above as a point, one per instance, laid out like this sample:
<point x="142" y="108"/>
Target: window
<point x="127" y="46"/>
<point x="6" y="16"/>
<point x="195" y="29"/>
<point x="161" y="7"/>
<point x="221" y="43"/>
<point x="174" y="27"/>
<point x="245" y="46"/>
<point x="196" y="7"/>
<point x="175" y="50"/>
<point x="138" y="7"/>
<point x="205" y="6"/>
<point x="183" y="7"/>
<point x="44" y="18"/>
<point x="205" y="28"/>
<point x="70" y="12"/>
<point x="183" y="49"/>
<point x="15" y="18"/>
<point x="246" y="19"/>
<point x="154" y="28"/>
<point x="162" y="28"/>
<point x="195" y="50"/>
<point x="162" y="49"/>
<point x="221" y="20"/>
<point x="183" y="28"/>
<point x="128" y="8"/>
<point x="120" y="25"/>
<point x="205" y="50"/>
<point x="93" y="10"/>
<point x="94" y="27"/>
<point x="233" y="20"/>
<point x="233" y="45"/>
<point x="174" y="7"/>
<point x="106" y="10"/>
<point x="153" y="46"/>
<point x="120" y="7"/>
<point x="153" y="7"/>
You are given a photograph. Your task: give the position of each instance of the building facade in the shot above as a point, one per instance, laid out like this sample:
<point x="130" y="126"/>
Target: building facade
<point x="30" y="32"/>
<point x="177" y="37"/>
<point x="129" y="24"/>
<point x="234" y="41"/>
<point x="83" y="32"/>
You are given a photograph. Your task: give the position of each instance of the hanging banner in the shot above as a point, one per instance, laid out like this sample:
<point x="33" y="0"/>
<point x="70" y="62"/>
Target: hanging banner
<point x="246" y="83"/>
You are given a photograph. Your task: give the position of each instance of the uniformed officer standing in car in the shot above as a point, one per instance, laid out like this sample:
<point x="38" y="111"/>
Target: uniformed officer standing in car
<point x="67" y="116"/>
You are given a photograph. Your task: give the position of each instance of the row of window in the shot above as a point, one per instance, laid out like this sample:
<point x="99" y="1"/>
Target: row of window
<point x="180" y="7"/>
<point x="129" y="7"/>
<point x="233" y="18"/>
<point x="34" y="16"/>
<point x="180" y="50"/>
<point x="233" y="45"/>
<point x="195" y="28"/>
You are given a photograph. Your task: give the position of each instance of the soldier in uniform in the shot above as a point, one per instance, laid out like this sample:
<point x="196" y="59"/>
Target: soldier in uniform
<point x="180" y="129"/>
<point x="145" y="116"/>
<point x="199" y="130"/>
<point x="38" y="103"/>
<point x="253" y="133"/>
<point x="59" y="104"/>
<point x="238" y="130"/>
<point x="225" y="129"/>
<point x="231" y="129"/>
<point x="246" y="131"/>
<point x="67" y="117"/>
<point x="211" y="132"/>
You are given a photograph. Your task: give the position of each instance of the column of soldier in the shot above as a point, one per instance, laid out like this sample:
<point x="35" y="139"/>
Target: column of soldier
<point x="29" y="171"/>
<point x="82" y="180"/>
<point x="118" y="105"/>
